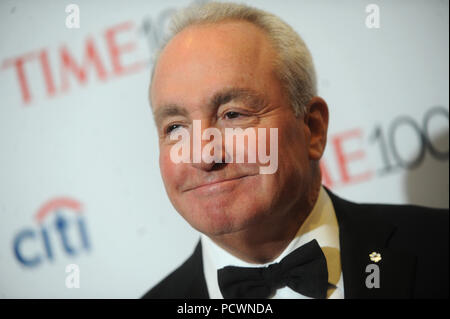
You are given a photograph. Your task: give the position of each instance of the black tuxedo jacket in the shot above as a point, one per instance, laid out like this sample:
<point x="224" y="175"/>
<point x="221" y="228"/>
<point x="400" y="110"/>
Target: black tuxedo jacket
<point x="412" y="241"/>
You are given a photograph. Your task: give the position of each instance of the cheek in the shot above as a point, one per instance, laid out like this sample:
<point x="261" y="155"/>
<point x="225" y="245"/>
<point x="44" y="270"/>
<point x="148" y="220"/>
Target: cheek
<point x="293" y="143"/>
<point x="293" y="154"/>
<point x="170" y="172"/>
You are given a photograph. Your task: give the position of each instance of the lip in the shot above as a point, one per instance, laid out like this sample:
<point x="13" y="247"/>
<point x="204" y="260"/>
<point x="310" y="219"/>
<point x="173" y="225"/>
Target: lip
<point x="216" y="184"/>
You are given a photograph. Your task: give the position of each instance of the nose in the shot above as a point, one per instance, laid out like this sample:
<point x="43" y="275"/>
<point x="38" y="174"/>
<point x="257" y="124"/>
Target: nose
<point x="208" y="167"/>
<point x="208" y="151"/>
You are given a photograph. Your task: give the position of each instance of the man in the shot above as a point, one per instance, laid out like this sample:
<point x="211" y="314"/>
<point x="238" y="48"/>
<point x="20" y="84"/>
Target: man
<point x="231" y="66"/>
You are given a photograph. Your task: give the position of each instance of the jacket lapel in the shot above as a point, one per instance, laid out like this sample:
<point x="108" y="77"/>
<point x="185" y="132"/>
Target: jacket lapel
<point x="197" y="287"/>
<point x="360" y="234"/>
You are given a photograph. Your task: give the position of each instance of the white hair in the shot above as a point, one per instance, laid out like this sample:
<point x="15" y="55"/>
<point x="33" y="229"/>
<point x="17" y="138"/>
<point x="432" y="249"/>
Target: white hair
<point x="294" y="65"/>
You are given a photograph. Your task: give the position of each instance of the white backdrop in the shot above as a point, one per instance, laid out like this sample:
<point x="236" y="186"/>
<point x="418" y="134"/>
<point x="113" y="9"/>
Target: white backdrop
<point x="79" y="176"/>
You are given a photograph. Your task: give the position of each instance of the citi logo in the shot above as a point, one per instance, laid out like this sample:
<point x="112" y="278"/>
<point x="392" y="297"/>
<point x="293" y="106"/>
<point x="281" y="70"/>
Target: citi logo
<point x="60" y="228"/>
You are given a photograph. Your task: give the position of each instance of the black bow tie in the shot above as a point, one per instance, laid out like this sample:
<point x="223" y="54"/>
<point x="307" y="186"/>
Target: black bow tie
<point x="304" y="271"/>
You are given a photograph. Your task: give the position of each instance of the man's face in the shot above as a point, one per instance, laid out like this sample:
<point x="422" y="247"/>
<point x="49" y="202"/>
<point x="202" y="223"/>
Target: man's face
<point x="201" y="75"/>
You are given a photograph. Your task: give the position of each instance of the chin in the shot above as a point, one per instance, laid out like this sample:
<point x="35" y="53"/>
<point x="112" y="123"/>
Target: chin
<point x="214" y="218"/>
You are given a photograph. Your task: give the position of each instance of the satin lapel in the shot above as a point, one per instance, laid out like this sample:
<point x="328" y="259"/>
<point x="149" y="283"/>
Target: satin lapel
<point x="197" y="288"/>
<point x="360" y="235"/>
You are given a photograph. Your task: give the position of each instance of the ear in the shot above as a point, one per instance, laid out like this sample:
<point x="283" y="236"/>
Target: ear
<point x="316" y="119"/>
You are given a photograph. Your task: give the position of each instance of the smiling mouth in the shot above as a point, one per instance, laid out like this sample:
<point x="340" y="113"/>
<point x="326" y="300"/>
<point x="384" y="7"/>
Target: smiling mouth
<point x="222" y="181"/>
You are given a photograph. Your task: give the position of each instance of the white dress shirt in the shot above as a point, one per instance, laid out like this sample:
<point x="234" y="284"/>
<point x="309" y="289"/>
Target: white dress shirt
<point x="321" y="224"/>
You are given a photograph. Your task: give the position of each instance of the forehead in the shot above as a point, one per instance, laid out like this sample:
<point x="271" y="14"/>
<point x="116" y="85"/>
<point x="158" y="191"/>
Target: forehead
<point x="203" y="58"/>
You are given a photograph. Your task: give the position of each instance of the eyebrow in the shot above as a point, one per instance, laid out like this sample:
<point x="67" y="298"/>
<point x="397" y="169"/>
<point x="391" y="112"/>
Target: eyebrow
<point x="252" y="99"/>
<point x="168" y="111"/>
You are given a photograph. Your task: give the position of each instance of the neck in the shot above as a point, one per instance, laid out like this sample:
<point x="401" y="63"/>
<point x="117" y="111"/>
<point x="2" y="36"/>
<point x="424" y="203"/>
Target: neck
<point x="265" y="241"/>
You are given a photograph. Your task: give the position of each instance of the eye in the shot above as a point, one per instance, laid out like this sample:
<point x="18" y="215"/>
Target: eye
<point x="232" y="115"/>
<point x="172" y="127"/>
